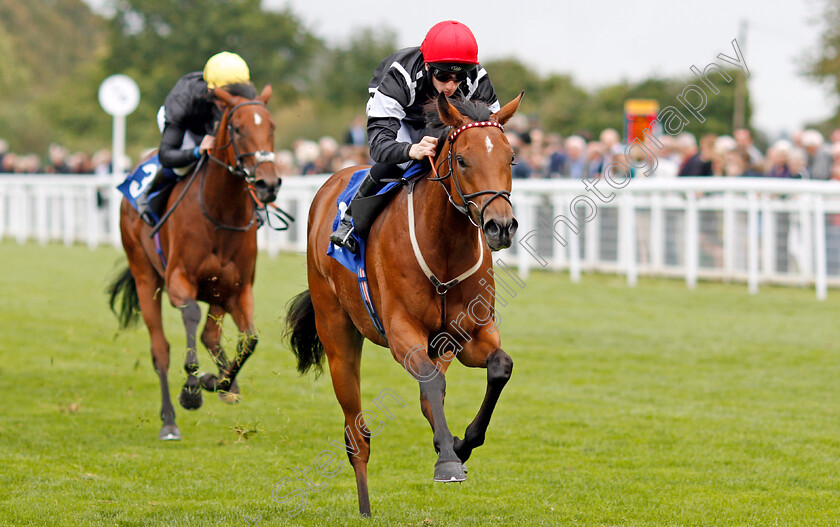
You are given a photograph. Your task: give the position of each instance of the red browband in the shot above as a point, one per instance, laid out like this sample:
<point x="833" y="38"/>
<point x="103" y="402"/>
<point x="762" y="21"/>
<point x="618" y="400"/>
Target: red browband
<point x="478" y="124"/>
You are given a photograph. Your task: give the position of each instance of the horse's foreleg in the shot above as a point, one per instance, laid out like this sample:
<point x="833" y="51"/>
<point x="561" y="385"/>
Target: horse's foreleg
<point x="211" y="337"/>
<point x="499" y="367"/>
<point x="242" y="311"/>
<point x="409" y="348"/>
<point x="182" y="295"/>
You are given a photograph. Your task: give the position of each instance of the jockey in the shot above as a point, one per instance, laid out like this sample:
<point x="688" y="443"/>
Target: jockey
<point x="189" y="116"/>
<point x="446" y="62"/>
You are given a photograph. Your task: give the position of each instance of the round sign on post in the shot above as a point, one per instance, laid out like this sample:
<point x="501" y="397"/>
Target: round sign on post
<point x="119" y="95"/>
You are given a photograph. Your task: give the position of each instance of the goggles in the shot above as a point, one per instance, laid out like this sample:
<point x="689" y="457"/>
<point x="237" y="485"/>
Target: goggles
<point x="447" y="76"/>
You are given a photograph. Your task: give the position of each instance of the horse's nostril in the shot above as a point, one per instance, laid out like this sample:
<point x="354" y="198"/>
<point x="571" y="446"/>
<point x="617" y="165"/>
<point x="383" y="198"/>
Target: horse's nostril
<point x="512" y="227"/>
<point x="492" y="228"/>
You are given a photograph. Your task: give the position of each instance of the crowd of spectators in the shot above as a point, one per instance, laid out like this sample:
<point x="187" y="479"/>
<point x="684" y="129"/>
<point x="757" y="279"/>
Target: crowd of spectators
<point x="806" y="155"/>
<point x="58" y="161"/>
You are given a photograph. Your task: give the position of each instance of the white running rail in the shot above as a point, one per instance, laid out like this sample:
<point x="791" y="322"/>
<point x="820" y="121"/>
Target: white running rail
<point x="752" y="230"/>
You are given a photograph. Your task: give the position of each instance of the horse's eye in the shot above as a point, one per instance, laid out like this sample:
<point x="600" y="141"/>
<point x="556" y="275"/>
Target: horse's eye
<point x="513" y="160"/>
<point x="461" y="162"/>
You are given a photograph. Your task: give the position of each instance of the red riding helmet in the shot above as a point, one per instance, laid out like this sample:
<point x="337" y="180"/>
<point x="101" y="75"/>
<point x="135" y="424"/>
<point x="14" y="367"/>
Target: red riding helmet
<point x="450" y="42"/>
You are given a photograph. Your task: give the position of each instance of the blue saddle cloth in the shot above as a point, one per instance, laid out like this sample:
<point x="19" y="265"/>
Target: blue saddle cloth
<point x="137" y="182"/>
<point x="355" y="263"/>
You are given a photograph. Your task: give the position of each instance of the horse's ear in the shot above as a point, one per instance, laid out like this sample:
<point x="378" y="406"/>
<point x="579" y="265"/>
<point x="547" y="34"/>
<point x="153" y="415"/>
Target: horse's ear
<point x="222" y="95"/>
<point x="507" y="111"/>
<point x="449" y="115"/>
<point x="265" y="95"/>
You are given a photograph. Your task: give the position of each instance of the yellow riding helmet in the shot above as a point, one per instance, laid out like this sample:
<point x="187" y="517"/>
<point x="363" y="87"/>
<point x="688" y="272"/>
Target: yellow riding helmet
<point x="226" y="68"/>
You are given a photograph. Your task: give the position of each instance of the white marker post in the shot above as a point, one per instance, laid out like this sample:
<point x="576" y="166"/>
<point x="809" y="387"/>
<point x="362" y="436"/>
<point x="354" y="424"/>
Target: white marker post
<point x="118" y="96"/>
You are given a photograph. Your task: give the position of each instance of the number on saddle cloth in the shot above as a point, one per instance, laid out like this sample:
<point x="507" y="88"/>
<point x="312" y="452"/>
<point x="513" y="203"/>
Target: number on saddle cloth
<point x="137" y="182"/>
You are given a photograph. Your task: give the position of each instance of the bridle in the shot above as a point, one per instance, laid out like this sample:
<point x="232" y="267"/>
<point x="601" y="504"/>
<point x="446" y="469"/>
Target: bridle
<point x="466" y="199"/>
<point x="248" y="174"/>
<point x="239" y="169"/>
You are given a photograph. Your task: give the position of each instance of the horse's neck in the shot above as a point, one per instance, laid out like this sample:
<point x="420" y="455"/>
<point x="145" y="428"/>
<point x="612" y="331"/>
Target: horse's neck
<point x="224" y="195"/>
<point x="446" y="237"/>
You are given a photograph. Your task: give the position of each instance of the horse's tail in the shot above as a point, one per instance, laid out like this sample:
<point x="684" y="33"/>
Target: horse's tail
<point x="129" y="305"/>
<point x="302" y="335"/>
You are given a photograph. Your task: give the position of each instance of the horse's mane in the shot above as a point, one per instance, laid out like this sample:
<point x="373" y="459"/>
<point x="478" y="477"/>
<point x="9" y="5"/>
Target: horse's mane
<point x="474" y="110"/>
<point x="241" y="89"/>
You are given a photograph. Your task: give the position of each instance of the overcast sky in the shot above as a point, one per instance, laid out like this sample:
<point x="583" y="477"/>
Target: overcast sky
<point x="602" y="42"/>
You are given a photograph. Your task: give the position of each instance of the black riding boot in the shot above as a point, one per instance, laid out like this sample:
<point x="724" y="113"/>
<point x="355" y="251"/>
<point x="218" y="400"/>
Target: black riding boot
<point x="143" y="205"/>
<point x="342" y="235"/>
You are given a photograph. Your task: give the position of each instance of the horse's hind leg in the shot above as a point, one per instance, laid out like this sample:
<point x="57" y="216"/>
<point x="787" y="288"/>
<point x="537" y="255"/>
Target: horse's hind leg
<point x="343" y="347"/>
<point x="499" y="367"/>
<point x="211" y="337"/>
<point x="148" y="293"/>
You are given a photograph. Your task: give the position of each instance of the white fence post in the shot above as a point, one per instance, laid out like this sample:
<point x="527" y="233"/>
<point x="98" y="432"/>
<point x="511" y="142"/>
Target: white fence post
<point x="657" y="234"/>
<point x="524" y="205"/>
<point x="820" y="246"/>
<point x="728" y="234"/>
<point x="768" y="238"/>
<point x="805" y="252"/>
<point x="628" y="207"/>
<point x="574" y="242"/>
<point x="692" y="239"/>
<point x="752" y="244"/>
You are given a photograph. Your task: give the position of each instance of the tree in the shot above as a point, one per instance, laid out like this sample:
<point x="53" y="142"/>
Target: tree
<point x="824" y="62"/>
<point x="44" y="48"/>
<point x="157" y="41"/>
<point x="349" y="68"/>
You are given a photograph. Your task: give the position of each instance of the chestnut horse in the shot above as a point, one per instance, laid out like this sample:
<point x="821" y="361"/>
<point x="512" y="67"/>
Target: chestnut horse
<point x="419" y="237"/>
<point x="208" y="252"/>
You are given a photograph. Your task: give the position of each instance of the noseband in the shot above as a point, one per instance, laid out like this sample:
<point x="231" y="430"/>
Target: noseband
<point x="239" y="169"/>
<point x="466" y="199"/>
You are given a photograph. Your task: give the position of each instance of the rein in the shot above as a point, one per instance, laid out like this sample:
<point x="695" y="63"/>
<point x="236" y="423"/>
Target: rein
<point x="166" y="215"/>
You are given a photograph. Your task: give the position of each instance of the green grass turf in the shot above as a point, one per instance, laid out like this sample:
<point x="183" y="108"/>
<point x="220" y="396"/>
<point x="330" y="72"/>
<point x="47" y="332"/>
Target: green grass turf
<point x="652" y="405"/>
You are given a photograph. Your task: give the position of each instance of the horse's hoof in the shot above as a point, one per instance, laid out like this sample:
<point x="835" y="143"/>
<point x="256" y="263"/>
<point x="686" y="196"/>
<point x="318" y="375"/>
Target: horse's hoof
<point x="225" y="385"/>
<point x="169" y="433"/>
<point x="232" y="396"/>
<point x="209" y="382"/>
<point x="464" y="467"/>
<point x="190" y="396"/>
<point x="449" y="471"/>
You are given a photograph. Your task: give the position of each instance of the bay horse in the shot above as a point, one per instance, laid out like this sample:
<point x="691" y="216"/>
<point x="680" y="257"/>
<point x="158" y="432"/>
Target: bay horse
<point x="423" y="316"/>
<point x="208" y="252"/>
